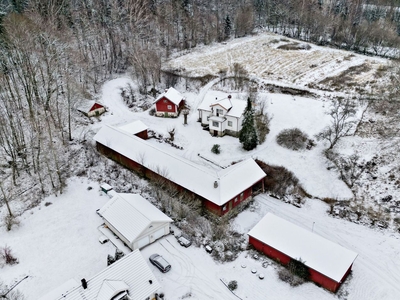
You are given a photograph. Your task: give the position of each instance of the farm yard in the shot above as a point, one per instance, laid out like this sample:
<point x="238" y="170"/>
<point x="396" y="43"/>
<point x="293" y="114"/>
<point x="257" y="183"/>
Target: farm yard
<point x="64" y="233"/>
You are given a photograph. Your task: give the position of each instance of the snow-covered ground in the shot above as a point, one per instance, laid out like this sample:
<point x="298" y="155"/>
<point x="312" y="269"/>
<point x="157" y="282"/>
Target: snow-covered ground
<point x="57" y="242"/>
<point x="60" y="241"/>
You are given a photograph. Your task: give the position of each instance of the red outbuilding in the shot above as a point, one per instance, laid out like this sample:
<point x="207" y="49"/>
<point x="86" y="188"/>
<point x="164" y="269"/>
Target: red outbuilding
<point x="91" y="108"/>
<point x="169" y="103"/>
<point x="328" y="263"/>
<point x="220" y="191"/>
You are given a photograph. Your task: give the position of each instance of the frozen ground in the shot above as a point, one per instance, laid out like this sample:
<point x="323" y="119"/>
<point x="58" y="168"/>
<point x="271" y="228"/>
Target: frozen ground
<point x="262" y="59"/>
<point x="59" y="242"/>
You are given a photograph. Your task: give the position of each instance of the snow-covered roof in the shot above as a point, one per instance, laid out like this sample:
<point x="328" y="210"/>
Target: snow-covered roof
<point x="318" y="253"/>
<point x="235" y="107"/>
<point x="131" y="214"/>
<point x="131" y="271"/>
<point x="225" y="103"/>
<point x="193" y="177"/>
<point x="134" y="127"/>
<point x="172" y="95"/>
<point x="86" y="106"/>
<point x="61" y="290"/>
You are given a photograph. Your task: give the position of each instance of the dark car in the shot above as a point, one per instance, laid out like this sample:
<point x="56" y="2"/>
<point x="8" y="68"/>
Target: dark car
<point x="160" y="263"/>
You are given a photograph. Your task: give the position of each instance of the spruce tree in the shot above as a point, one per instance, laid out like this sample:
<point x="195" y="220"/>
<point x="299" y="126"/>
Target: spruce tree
<point x="248" y="135"/>
<point x="228" y="27"/>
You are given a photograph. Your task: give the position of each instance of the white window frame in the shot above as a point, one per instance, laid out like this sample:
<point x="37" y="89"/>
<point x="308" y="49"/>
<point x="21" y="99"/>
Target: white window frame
<point x="215" y="122"/>
<point x="230" y="123"/>
<point x="169" y="106"/>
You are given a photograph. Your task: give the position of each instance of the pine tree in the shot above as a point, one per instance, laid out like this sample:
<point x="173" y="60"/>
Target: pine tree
<point x="248" y="135"/>
<point x="110" y="259"/>
<point x="228" y="27"/>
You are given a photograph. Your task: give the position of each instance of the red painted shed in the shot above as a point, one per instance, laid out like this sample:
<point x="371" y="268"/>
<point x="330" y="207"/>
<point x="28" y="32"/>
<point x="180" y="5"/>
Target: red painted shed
<point x="329" y="263"/>
<point x="91" y="108"/>
<point x="169" y="103"/>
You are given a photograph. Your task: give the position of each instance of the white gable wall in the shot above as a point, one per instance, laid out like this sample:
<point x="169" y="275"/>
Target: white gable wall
<point x="156" y="231"/>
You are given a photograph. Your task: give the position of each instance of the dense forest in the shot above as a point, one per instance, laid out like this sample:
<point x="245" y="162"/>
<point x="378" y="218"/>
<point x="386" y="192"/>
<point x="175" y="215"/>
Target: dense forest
<point x="56" y="52"/>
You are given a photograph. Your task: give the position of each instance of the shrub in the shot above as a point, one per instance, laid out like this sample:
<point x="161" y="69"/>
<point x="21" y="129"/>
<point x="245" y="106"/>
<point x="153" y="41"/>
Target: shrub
<point x="232" y="285"/>
<point x="9" y="221"/>
<point x="216" y="149"/>
<point x="280" y="181"/>
<point x="298" y="268"/>
<point x="292" y="138"/>
<point x="152" y="111"/>
<point x="7" y="256"/>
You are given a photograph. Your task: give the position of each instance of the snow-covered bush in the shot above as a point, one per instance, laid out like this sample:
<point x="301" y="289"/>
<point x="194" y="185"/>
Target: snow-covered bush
<point x="280" y="181"/>
<point x="216" y="149"/>
<point x="232" y="285"/>
<point x="293" y="139"/>
<point x="7" y="257"/>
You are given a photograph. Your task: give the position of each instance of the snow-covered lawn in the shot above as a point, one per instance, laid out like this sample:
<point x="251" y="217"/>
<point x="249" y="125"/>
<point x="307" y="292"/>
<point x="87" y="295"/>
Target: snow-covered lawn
<point x="57" y="242"/>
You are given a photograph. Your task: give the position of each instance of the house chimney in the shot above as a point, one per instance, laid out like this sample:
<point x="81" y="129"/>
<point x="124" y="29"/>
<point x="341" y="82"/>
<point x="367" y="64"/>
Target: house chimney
<point x="215" y="184"/>
<point x="166" y="90"/>
<point x="151" y="281"/>
<point x="84" y="283"/>
<point x="229" y="97"/>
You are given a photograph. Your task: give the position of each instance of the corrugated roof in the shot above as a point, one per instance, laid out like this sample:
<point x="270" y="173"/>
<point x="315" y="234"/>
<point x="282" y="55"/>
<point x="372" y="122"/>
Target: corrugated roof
<point x="320" y="254"/>
<point x="193" y="177"/>
<point x="131" y="214"/>
<point x="172" y="95"/>
<point x="131" y="270"/>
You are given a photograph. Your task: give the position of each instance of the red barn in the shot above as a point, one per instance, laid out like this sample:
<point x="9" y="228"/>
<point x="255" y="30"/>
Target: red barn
<point x="169" y="103"/>
<point x="91" y="108"/>
<point x="328" y="263"/>
<point x="220" y="191"/>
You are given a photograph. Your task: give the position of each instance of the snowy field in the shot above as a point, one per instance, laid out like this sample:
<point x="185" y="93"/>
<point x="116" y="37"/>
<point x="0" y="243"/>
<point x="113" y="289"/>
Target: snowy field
<point x="262" y="59"/>
<point x="60" y="241"/>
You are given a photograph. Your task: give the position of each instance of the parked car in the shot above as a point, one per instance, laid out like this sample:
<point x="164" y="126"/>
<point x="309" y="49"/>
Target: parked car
<point x="184" y="242"/>
<point x="208" y="249"/>
<point x="160" y="263"/>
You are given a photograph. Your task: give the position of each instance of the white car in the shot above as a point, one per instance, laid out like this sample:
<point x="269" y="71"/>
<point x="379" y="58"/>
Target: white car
<point x="184" y="242"/>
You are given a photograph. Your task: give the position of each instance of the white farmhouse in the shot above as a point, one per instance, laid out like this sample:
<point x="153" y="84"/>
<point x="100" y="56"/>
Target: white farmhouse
<point x="222" y="116"/>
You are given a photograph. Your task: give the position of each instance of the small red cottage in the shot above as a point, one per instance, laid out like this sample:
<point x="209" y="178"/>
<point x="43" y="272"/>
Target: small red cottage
<point x="328" y="263"/>
<point x="170" y="103"/>
<point x="91" y="108"/>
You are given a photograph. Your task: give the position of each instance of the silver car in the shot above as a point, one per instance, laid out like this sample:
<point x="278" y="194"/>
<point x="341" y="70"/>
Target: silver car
<point x="160" y="263"/>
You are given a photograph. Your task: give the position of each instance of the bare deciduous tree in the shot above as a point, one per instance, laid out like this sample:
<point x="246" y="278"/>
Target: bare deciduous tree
<point x="342" y="113"/>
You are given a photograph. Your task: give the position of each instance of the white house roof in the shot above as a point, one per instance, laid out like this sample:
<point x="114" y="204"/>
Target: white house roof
<point x="134" y="127"/>
<point x="172" y="95"/>
<point x="225" y="103"/>
<point x="193" y="177"/>
<point x="131" y="271"/>
<point x="86" y="106"/>
<point x="235" y="107"/>
<point x="61" y="290"/>
<point x="320" y="254"/>
<point x="131" y="214"/>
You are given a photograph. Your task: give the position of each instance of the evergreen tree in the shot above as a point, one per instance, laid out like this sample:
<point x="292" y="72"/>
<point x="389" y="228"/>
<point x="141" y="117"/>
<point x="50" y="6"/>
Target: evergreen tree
<point x="228" y="27"/>
<point x="110" y="259"/>
<point x="248" y="135"/>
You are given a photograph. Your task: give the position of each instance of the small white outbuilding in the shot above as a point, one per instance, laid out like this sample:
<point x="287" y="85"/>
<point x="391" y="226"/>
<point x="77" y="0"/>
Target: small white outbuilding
<point x="135" y="220"/>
